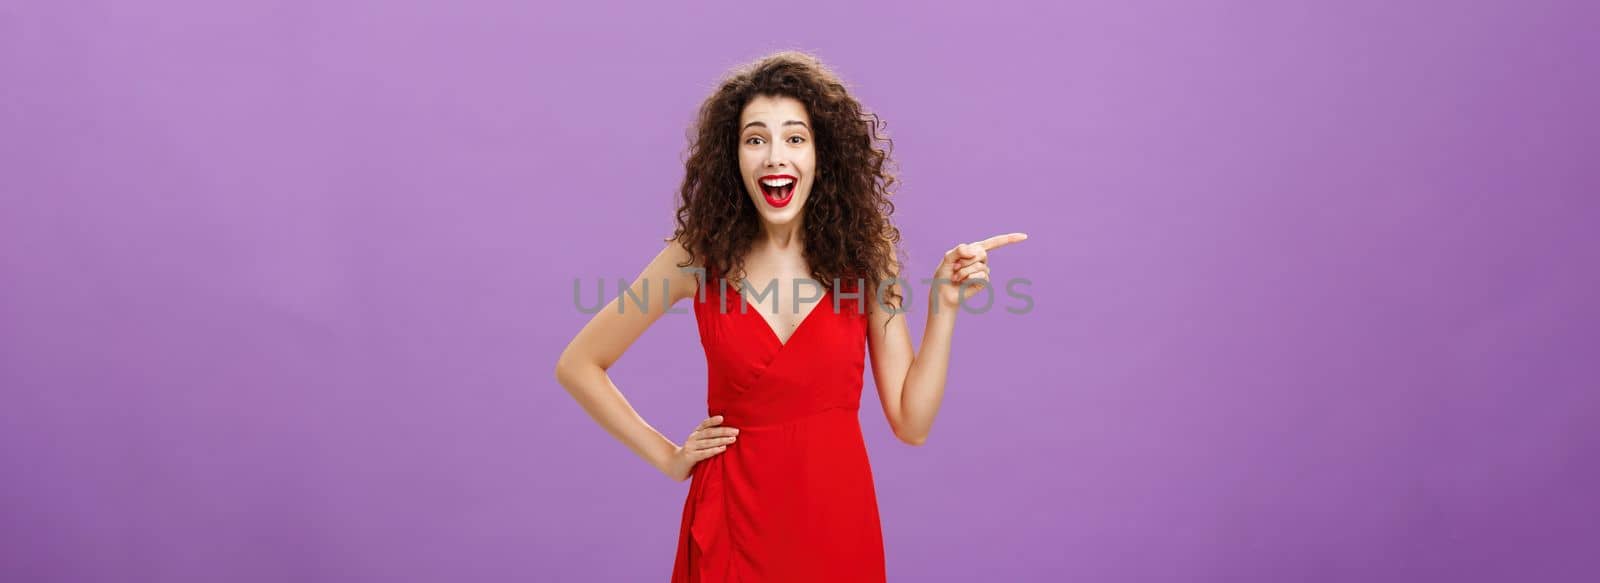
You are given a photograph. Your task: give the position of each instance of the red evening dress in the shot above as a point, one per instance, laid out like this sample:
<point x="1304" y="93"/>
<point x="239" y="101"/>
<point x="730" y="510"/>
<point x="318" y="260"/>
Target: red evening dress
<point x="793" y="499"/>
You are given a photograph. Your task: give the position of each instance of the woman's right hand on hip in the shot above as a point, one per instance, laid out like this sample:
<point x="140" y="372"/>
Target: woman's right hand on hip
<point x="708" y="439"/>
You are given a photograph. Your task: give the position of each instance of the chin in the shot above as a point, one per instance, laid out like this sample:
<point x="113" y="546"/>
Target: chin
<point x="780" y="218"/>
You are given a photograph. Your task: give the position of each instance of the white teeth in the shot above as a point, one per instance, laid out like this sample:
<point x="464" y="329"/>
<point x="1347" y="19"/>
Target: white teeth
<point x="777" y="182"/>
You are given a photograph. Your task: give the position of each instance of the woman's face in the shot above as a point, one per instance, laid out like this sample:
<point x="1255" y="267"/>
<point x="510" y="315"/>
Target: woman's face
<point x="776" y="156"/>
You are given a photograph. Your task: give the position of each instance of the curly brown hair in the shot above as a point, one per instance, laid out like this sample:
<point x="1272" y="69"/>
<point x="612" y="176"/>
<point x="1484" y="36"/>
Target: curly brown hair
<point x="847" y="232"/>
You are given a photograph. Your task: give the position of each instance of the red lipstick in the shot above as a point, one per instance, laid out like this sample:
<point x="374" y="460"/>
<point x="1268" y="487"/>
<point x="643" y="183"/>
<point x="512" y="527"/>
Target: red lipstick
<point x="780" y="194"/>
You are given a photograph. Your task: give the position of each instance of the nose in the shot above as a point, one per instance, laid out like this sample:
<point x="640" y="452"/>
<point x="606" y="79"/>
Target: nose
<point x="775" y="156"/>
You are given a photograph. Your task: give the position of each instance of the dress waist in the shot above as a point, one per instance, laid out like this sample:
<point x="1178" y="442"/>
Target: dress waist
<point x="748" y="422"/>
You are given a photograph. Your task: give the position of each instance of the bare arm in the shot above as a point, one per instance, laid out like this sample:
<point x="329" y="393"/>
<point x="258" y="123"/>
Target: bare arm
<point x="911" y="385"/>
<point x="583" y="365"/>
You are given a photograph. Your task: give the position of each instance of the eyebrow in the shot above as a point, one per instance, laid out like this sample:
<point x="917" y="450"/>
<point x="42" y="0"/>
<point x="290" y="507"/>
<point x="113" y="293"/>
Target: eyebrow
<point x="787" y="123"/>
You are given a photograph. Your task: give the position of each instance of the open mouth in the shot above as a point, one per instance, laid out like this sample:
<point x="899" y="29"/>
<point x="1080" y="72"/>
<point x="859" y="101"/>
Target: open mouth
<point x="779" y="190"/>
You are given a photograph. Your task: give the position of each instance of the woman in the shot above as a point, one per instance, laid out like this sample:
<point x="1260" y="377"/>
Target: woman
<point x="786" y="194"/>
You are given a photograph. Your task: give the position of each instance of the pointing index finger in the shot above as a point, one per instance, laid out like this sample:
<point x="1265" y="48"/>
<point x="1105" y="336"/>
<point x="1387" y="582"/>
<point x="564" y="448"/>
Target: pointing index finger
<point x="999" y="241"/>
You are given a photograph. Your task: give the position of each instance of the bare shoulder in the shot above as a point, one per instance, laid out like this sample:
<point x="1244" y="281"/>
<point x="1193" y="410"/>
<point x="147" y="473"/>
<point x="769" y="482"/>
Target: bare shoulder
<point x="889" y="295"/>
<point x="677" y="266"/>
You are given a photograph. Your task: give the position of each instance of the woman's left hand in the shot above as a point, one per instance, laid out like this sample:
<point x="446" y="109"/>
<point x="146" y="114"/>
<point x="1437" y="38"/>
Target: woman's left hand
<point x="968" y="262"/>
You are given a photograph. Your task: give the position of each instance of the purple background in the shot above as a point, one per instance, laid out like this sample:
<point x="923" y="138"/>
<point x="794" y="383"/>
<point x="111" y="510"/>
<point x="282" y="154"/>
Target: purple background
<point x="282" y="285"/>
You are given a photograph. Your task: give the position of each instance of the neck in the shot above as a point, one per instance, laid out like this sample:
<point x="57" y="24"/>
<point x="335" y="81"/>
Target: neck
<point x="786" y="238"/>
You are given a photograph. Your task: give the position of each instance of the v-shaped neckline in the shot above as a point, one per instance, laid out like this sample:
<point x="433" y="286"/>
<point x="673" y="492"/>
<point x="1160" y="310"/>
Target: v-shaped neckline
<point x="772" y="333"/>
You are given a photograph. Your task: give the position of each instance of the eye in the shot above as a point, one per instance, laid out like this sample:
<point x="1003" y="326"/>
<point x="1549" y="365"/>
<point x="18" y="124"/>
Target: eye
<point x="751" y="139"/>
<point x="797" y="137"/>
